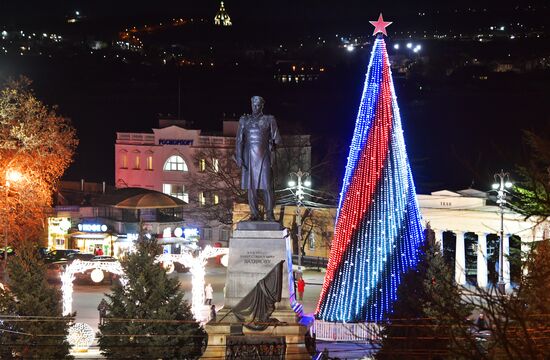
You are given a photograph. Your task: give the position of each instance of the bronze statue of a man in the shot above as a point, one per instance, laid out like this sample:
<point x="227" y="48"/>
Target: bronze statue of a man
<point x="257" y="137"/>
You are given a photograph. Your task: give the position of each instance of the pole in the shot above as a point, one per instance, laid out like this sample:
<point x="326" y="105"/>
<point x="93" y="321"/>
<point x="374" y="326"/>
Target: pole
<point x="299" y="195"/>
<point x="6" y="224"/>
<point x="501" y="284"/>
<point x="501" y="185"/>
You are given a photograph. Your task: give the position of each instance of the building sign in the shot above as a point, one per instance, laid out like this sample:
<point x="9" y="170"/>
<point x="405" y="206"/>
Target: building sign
<point x="191" y="233"/>
<point x="175" y="142"/>
<point x="92" y="227"/>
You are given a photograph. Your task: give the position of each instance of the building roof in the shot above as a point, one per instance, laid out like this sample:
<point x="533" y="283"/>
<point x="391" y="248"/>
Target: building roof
<point x="138" y="198"/>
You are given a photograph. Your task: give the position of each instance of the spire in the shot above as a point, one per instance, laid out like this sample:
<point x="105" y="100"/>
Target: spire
<point x="378" y="230"/>
<point x="222" y="17"/>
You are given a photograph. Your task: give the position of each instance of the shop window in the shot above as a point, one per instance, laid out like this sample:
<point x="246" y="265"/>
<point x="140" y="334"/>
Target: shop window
<point x="137" y="163"/>
<point x="202" y="199"/>
<point x="175" y="163"/>
<point x="149" y="162"/>
<point x="215" y="165"/>
<point x="202" y="165"/>
<point x="216" y="199"/>
<point x="176" y="190"/>
<point x="60" y="242"/>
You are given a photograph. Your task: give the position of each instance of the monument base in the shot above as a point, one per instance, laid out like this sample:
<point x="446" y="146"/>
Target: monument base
<point x="222" y="335"/>
<point x="254" y="249"/>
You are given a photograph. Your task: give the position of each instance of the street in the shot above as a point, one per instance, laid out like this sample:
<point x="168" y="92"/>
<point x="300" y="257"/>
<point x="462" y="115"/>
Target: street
<point x="86" y="297"/>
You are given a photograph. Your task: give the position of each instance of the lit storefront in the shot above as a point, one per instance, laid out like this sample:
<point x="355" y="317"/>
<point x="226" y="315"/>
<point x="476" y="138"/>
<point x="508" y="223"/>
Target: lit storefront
<point x="58" y="229"/>
<point x="91" y="237"/>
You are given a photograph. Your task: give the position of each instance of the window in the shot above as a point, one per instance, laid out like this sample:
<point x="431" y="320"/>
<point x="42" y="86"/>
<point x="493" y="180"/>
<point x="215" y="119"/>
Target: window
<point x="176" y="190"/>
<point x="216" y="199"/>
<point x="224" y="234"/>
<point x="59" y="242"/>
<point x="136" y="163"/>
<point x="202" y="199"/>
<point x="149" y="162"/>
<point x="175" y="163"/>
<point x="202" y="165"/>
<point x="215" y="165"/>
<point x="206" y="234"/>
<point x="124" y="160"/>
<point x="311" y="241"/>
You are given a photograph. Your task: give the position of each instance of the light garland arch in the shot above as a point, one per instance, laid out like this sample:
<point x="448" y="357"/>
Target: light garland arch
<point x="196" y="265"/>
<point x="79" y="266"/>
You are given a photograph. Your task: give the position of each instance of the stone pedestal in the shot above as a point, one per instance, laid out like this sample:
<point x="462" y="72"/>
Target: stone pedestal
<point x="254" y="250"/>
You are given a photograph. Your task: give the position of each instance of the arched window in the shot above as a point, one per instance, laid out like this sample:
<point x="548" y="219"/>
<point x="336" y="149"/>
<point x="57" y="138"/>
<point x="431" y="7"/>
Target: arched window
<point x="123" y="159"/>
<point x="175" y="163"/>
<point x="137" y="162"/>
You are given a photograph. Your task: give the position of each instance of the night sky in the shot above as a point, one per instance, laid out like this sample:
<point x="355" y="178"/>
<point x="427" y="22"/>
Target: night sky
<point x="458" y="132"/>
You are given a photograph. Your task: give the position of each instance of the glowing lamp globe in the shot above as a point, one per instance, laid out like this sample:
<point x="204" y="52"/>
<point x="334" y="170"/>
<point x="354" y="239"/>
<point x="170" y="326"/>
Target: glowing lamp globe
<point x="13" y="176"/>
<point x="97" y="275"/>
<point x="508" y="184"/>
<point x="292" y="183"/>
<point x="495" y="186"/>
<point x="169" y="267"/>
<point x="307" y="183"/>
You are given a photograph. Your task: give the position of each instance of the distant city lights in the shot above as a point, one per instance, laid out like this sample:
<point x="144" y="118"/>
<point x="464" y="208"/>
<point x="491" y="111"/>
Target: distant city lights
<point x="396" y="46"/>
<point x="350" y="48"/>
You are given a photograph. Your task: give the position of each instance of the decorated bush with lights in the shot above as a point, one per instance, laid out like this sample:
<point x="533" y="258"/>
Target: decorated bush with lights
<point x="378" y="230"/>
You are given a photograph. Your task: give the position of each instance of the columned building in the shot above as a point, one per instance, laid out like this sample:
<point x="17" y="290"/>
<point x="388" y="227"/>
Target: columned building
<point x="466" y="226"/>
<point x="467" y="229"/>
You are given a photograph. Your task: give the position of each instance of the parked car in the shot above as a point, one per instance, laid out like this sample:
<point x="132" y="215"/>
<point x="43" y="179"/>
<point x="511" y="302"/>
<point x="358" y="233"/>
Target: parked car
<point x="103" y="258"/>
<point x="11" y="252"/>
<point x="81" y="256"/>
<point x="59" y="255"/>
<point x="55" y="269"/>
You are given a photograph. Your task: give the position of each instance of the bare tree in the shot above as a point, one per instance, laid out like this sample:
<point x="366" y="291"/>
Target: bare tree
<point x="217" y="184"/>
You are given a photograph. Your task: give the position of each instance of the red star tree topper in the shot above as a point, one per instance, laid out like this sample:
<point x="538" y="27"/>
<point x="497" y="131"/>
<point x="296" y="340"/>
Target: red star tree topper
<point x="380" y="25"/>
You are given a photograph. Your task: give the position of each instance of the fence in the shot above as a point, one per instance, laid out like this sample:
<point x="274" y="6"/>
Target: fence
<point x="356" y="332"/>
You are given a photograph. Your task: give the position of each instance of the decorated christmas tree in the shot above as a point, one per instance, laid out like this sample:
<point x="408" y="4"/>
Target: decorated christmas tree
<point x="378" y="230"/>
<point x="148" y="317"/>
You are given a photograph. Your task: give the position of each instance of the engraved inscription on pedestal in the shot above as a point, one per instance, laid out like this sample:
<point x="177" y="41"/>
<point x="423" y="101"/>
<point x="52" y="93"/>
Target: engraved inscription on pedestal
<point x="252" y="255"/>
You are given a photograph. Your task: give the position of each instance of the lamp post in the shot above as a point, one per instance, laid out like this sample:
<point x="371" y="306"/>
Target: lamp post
<point x="299" y="195"/>
<point x="502" y="182"/>
<point x="12" y="176"/>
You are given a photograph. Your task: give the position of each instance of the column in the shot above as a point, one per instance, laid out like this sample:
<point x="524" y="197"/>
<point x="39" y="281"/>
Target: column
<point x="506" y="262"/>
<point x="482" y="271"/>
<point x="439" y="239"/>
<point x="460" y="259"/>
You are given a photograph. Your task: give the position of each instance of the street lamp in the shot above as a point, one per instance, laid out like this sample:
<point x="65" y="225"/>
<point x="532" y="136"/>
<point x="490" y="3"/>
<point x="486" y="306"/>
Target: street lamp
<point x="502" y="182"/>
<point x="299" y="195"/>
<point x="12" y="176"/>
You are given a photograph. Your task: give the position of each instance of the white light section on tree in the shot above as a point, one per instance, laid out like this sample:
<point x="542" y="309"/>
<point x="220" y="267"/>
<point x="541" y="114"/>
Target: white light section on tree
<point x="79" y="266"/>
<point x="81" y="336"/>
<point x="196" y="265"/>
